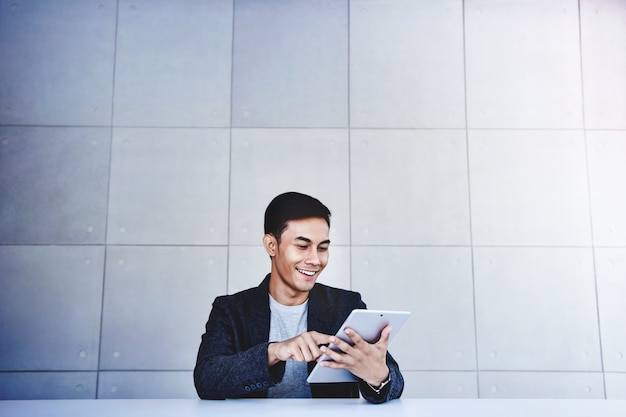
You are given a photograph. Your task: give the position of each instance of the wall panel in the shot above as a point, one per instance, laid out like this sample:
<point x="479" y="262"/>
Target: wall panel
<point x="472" y="153"/>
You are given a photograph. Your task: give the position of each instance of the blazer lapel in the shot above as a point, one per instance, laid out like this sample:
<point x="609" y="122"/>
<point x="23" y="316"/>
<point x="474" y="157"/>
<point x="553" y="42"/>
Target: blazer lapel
<point x="320" y="317"/>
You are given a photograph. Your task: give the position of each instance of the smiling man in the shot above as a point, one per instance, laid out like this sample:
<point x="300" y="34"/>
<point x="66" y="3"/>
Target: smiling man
<point x="264" y="341"/>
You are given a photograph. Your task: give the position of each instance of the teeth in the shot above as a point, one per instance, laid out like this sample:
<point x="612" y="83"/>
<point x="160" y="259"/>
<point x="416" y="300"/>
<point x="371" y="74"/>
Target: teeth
<point x="305" y="272"/>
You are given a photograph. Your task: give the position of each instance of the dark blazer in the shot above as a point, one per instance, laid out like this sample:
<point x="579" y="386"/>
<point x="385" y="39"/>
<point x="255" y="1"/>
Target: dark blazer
<point x="232" y="359"/>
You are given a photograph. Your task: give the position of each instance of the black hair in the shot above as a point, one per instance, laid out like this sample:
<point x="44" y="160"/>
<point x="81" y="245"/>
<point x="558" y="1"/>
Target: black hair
<point x="292" y="206"/>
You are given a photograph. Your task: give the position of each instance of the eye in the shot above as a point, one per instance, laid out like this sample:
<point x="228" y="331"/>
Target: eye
<point x="323" y="248"/>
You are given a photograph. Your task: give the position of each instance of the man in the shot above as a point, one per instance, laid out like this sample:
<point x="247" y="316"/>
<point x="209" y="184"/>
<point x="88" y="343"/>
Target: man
<point x="263" y="342"/>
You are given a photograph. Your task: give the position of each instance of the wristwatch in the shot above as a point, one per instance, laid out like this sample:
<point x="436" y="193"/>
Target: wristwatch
<point x="380" y="388"/>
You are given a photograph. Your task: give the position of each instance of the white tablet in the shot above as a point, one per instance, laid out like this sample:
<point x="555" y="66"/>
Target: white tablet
<point x="368" y="324"/>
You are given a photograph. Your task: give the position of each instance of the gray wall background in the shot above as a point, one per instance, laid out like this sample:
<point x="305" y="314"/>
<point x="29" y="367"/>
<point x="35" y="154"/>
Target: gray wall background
<point x="473" y="154"/>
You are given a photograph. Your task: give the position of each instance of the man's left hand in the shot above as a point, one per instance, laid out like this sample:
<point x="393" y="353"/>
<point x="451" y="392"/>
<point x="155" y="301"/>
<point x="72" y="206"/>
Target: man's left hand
<point x="365" y="360"/>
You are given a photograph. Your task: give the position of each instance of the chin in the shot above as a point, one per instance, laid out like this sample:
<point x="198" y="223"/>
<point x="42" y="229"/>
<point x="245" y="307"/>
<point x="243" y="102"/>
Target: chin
<point x="307" y="285"/>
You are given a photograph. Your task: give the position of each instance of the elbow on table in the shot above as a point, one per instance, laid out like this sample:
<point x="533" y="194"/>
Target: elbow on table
<point x="205" y="386"/>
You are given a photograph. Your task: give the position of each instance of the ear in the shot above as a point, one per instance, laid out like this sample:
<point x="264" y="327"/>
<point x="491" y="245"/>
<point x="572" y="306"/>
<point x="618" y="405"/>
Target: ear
<point x="270" y="244"/>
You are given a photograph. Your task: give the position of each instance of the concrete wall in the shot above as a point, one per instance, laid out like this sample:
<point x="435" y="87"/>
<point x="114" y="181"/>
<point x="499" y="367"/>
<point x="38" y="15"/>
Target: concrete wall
<point x="473" y="154"/>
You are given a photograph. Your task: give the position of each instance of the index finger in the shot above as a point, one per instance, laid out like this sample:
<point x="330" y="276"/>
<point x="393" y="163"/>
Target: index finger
<point x="320" y="338"/>
<point x="354" y="336"/>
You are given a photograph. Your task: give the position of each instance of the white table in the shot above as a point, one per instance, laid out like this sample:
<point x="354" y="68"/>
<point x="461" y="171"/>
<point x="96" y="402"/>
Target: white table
<point x="317" y="408"/>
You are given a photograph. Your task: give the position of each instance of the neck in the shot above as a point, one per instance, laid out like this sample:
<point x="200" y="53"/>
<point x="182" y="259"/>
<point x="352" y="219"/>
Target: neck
<point x="286" y="296"/>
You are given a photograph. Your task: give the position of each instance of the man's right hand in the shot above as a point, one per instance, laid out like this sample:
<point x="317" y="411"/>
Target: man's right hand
<point x="302" y="348"/>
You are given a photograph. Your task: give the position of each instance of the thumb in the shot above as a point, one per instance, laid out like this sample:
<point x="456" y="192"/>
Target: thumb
<point x="384" y="335"/>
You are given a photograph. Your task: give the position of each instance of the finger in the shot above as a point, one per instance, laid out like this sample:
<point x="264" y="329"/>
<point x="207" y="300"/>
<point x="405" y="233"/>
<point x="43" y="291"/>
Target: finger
<point x="341" y="344"/>
<point x="311" y="352"/>
<point x="333" y="364"/>
<point x="384" y="336"/>
<point x="320" y="338"/>
<point x="296" y="353"/>
<point x="354" y="336"/>
<point x="335" y="359"/>
<point x="309" y="347"/>
<point x="305" y="346"/>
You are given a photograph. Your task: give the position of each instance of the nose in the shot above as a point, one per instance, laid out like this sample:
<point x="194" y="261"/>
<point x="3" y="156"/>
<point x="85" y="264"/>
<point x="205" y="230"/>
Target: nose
<point x="313" y="258"/>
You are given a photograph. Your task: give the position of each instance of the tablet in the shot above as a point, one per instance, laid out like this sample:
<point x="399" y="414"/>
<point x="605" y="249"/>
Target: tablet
<point x="368" y="324"/>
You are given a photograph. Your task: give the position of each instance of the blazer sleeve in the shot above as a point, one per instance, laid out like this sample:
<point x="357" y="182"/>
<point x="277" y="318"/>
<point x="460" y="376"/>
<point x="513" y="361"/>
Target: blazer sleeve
<point x="391" y="391"/>
<point x="229" y="364"/>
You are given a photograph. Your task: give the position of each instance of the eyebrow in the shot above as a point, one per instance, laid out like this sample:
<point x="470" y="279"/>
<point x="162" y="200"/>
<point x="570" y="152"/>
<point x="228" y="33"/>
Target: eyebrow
<point x="307" y="240"/>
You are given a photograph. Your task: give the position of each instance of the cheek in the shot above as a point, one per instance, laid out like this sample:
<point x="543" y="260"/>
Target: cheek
<point x="289" y="257"/>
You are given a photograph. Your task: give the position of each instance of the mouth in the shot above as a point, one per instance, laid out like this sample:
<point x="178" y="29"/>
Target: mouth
<point x="307" y="272"/>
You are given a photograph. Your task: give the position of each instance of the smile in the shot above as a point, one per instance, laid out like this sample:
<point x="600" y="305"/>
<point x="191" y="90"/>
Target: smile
<point x="306" y="272"/>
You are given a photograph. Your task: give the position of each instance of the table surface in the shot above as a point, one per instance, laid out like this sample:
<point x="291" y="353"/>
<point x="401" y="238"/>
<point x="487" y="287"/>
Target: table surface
<point x="317" y="407"/>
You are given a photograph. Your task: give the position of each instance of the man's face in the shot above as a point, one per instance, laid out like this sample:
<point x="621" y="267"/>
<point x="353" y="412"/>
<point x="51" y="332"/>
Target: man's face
<point x="298" y="259"/>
